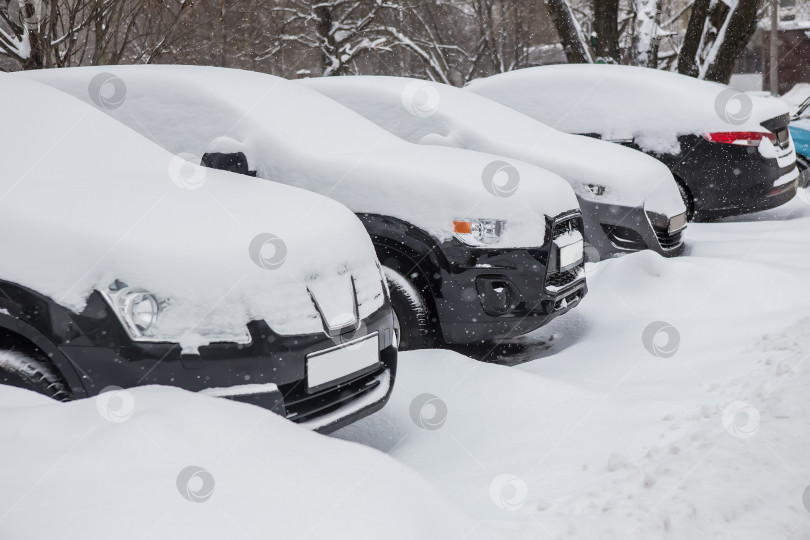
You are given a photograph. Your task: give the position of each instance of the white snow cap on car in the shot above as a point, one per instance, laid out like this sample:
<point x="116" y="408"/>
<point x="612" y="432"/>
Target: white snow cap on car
<point x="85" y="201"/>
<point x="297" y="136"/>
<point x="650" y="106"/>
<point x="465" y="120"/>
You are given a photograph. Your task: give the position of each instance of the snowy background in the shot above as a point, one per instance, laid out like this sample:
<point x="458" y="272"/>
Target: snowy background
<point x="672" y="403"/>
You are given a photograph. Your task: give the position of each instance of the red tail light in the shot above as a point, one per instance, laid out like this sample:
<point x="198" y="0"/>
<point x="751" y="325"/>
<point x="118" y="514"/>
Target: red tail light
<point x="742" y="138"/>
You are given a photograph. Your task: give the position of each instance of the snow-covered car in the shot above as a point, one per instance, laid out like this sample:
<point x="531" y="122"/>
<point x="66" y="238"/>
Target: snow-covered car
<point x="124" y="265"/>
<point x="474" y="248"/>
<point x="629" y="201"/>
<point x="730" y="152"/>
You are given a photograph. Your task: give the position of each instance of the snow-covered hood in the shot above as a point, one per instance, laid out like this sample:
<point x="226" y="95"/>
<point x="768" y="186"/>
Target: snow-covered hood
<point x="652" y="107"/>
<point x="438" y="114"/>
<point x="297" y="136"/>
<point x="84" y="201"/>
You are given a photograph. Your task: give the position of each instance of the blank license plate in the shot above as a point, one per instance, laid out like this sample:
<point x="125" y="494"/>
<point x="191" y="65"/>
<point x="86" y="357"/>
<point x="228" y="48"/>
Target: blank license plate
<point x="677" y="223"/>
<point x="334" y="364"/>
<point x="571" y="254"/>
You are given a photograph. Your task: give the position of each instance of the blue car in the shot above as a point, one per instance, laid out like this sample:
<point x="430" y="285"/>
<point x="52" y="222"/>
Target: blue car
<point x="800" y="130"/>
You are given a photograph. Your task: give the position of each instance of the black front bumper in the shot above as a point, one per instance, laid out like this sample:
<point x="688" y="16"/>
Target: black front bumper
<point x="104" y="356"/>
<point x="613" y="229"/>
<point x="490" y="294"/>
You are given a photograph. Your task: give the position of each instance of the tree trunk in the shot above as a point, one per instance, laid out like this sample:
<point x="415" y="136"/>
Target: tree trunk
<point x="687" y="59"/>
<point x="573" y="42"/>
<point x="731" y="41"/>
<point x="328" y="46"/>
<point x="655" y="40"/>
<point x="606" y="27"/>
<point x="36" y="59"/>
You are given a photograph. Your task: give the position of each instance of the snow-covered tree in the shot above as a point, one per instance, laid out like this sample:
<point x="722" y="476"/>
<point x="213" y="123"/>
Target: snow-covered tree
<point x="634" y="32"/>
<point x="60" y="33"/>
<point x="343" y="31"/>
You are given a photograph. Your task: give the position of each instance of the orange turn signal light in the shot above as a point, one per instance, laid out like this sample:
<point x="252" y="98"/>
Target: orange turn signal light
<point x="462" y="227"/>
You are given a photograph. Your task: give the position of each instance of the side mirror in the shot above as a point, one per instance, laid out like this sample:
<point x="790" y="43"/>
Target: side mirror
<point x="235" y="162"/>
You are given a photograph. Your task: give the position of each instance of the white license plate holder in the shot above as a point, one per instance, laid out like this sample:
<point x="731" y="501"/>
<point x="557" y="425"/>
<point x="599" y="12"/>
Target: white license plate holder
<point x="337" y="364"/>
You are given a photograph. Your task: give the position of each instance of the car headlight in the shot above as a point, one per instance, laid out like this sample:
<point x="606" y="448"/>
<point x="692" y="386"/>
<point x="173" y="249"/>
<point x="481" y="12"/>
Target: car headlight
<point x="137" y="309"/>
<point x="149" y="318"/>
<point x="476" y="232"/>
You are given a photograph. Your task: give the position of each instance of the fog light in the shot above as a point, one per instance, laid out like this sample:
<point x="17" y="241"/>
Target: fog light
<point x="498" y="296"/>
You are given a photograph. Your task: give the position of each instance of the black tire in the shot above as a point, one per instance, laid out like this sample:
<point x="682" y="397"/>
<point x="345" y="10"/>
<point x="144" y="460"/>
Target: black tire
<point x="25" y="371"/>
<point x="414" y="326"/>
<point x="688" y="200"/>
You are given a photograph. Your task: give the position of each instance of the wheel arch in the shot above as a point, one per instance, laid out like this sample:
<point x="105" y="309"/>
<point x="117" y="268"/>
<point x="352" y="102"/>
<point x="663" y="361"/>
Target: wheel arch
<point x="17" y="334"/>
<point x="408" y="250"/>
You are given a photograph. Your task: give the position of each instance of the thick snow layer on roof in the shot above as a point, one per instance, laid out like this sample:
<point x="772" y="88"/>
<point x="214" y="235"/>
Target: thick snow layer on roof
<point x="85" y="201"/>
<point x="649" y="106"/>
<point x="165" y="464"/>
<point x="297" y="136"/>
<point x="454" y="117"/>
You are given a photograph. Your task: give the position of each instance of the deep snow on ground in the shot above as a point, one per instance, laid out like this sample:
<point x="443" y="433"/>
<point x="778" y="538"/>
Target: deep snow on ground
<point x="596" y="437"/>
<point x="603" y="438"/>
<point x="161" y="463"/>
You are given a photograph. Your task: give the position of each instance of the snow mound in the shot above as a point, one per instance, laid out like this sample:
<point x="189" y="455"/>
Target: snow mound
<point x="182" y="465"/>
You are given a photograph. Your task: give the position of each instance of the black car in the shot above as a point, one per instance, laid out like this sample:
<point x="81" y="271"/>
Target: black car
<point x="117" y="273"/>
<point x="453" y="293"/>
<point x="730" y="152"/>
<point x="473" y="248"/>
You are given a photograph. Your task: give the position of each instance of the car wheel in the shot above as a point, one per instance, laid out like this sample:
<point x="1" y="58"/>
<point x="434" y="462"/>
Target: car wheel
<point x="688" y="200"/>
<point x="412" y="314"/>
<point x="25" y="371"/>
